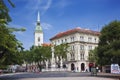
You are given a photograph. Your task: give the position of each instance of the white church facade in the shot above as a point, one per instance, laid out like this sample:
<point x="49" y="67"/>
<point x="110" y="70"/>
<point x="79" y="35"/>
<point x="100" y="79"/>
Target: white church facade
<point x="38" y="35"/>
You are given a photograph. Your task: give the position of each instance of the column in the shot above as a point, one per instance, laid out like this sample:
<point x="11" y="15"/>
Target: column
<point x="46" y="63"/>
<point x="52" y="60"/>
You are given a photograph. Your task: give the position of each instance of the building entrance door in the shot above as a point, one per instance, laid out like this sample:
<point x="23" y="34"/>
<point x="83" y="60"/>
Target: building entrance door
<point x="72" y="67"/>
<point x="82" y="67"/>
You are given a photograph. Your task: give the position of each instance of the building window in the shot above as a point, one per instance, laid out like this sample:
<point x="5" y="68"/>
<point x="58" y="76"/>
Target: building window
<point x="65" y="40"/>
<point x="73" y="48"/>
<point x="95" y="40"/>
<point x="72" y="52"/>
<point x="89" y="39"/>
<point x="58" y="41"/>
<point x="82" y="56"/>
<point x="81" y="47"/>
<point x="55" y="42"/>
<point x="62" y="41"/>
<point x="81" y="38"/>
<point x="72" y="39"/>
<point x="38" y="39"/>
<point x="89" y="47"/>
<point x="72" y="56"/>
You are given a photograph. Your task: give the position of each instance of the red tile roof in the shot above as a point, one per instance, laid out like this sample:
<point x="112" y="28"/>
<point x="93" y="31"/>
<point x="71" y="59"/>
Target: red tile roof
<point x="46" y="44"/>
<point x="79" y="30"/>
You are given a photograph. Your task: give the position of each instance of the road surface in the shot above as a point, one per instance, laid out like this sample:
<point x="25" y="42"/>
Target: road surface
<point x="53" y="76"/>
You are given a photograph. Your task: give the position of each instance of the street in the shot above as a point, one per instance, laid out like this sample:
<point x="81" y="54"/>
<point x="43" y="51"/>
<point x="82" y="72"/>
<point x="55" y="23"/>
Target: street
<point x="53" y="76"/>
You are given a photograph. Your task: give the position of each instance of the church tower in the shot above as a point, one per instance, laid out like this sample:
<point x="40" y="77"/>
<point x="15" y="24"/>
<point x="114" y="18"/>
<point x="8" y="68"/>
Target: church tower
<point x="38" y="32"/>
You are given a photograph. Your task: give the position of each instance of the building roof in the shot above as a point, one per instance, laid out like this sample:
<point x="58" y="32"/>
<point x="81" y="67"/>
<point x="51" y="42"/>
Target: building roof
<point x="75" y="30"/>
<point x="46" y="44"/>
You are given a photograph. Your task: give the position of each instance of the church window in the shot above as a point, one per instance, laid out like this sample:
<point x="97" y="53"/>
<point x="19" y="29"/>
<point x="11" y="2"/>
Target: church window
<point x="38" y="23"/>
<point x="38" y="39"/>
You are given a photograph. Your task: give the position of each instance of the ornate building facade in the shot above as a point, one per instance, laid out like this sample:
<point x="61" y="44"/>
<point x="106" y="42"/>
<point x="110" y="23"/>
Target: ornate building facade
<point x="80" y="41"/>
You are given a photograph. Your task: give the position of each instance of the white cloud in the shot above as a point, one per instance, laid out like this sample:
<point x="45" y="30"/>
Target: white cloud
<point x="63" y="3"/>
<point x="46" y="26"/>
<point x="35" y="5"/>
<point x="47" y="6"/>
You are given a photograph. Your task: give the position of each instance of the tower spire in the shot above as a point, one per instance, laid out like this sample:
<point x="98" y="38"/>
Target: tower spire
<point x="38" y="17"/>
<point x="38" y="32"/>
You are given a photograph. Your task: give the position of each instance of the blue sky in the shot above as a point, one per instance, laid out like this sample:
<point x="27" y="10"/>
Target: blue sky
<point x="61" y="15"/>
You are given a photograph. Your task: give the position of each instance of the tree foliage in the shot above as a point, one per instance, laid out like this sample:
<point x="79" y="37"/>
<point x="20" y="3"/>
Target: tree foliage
<point x="10" y="47"/>
<point x="93" y="57"/>
<point x="109" y="44"/>
<point x="4" y="16"/>
<point x="38" y="54"/>
<point x="61" y="51"/>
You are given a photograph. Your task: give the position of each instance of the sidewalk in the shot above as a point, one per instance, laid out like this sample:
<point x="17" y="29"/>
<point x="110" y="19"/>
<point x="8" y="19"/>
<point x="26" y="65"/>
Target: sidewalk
<point x="109" y="75"/>
<point x="70" y="78"/>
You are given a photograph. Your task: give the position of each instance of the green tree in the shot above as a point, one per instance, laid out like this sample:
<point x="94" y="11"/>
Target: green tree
<point x="27" y="56"/>
<point x="93" y="57"/>
<point x="4" y="16"/>
<point x="109" y="44"/>
<point x="4" y="12"/>
<point x="38" y="54"/>
<point x="9" y="44"/>
<point x="61" y="51"/>
<point x="42" y="53"/>
<point x="10" y="47"/>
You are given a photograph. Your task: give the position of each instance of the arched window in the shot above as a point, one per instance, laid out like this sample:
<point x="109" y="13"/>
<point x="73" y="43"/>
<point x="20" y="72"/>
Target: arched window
<point x="38" y="39"/>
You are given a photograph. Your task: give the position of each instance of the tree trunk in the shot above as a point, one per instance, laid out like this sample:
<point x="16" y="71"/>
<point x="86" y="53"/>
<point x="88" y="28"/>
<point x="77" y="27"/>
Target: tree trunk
<point x="61" y="62"/>
<point x="40" y="66"/>
<point x="2" y="53"/>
